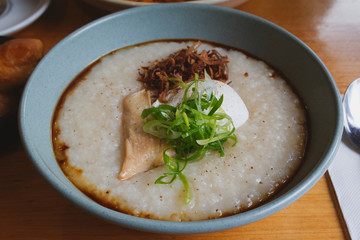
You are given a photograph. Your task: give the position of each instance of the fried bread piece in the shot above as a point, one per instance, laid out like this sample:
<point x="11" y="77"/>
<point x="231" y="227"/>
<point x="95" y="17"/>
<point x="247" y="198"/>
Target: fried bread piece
<point x="7" y="103"/>
<point x="18" y="58"/>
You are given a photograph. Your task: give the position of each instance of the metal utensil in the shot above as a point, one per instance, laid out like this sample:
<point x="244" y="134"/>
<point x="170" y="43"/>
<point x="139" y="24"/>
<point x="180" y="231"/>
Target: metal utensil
<point x="351" y="104"/>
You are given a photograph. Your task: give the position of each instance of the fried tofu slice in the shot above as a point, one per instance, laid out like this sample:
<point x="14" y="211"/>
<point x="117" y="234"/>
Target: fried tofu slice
<point x="142" y="150"/>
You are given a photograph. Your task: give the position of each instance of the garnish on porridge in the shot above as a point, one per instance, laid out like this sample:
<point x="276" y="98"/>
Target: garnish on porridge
<point x="191" y="123"/>
<point x="183" y="65"/>
<point x="193" y="127"/>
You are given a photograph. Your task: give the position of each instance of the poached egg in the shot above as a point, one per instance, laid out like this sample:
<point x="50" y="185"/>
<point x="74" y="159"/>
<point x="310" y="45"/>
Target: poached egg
<point x="232" y="104"/>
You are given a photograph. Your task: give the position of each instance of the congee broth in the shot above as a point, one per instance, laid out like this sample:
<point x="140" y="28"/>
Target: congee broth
<point x="98" y="113"/>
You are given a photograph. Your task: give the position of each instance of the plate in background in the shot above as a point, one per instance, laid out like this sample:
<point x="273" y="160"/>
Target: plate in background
<point x="19" y="14"/>
<point x="115" y="5"/>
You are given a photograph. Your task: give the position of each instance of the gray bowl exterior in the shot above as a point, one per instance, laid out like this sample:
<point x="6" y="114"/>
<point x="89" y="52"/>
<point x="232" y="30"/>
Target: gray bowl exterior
<point x="303" y="69"/>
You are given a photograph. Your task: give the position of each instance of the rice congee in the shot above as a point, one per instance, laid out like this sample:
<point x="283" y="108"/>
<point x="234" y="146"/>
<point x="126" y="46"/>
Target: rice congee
<point x="88" y="139"/>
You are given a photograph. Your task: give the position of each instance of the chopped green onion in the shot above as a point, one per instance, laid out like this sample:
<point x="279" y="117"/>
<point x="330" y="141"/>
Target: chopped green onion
<point x="178" y="81"/>
<point x="186" y="119"/>
<point x="193" y="127"/>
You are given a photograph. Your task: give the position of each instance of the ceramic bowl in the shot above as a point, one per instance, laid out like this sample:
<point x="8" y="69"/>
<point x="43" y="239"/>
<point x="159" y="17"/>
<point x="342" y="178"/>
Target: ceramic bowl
<point x="297" y="62"/>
